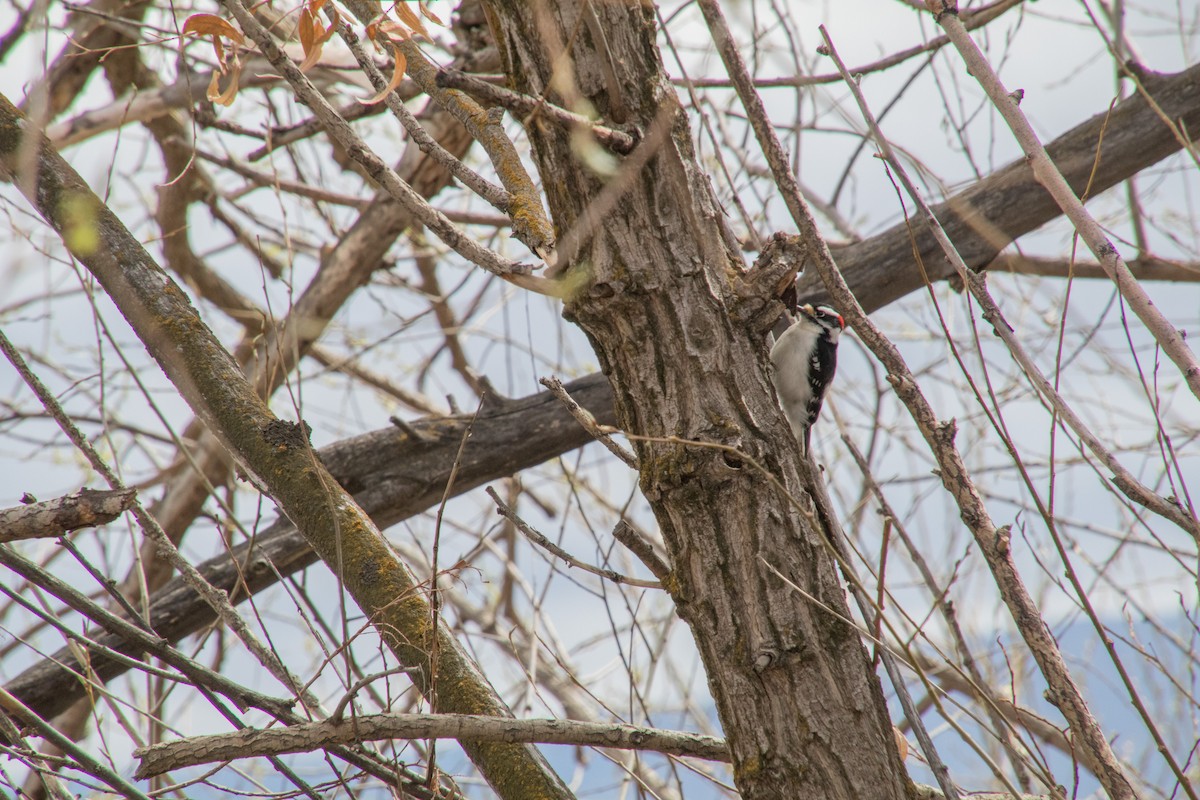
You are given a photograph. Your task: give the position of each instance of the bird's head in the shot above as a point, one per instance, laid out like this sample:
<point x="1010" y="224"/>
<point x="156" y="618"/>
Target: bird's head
<point x="825" y="316"/>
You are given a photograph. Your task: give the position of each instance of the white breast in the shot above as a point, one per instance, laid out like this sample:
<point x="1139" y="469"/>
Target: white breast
<point x="788" y="356"/>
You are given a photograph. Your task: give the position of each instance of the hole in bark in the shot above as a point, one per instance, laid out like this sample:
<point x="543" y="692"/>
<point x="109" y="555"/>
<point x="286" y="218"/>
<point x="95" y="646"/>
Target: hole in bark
<point x="732" y="461"/>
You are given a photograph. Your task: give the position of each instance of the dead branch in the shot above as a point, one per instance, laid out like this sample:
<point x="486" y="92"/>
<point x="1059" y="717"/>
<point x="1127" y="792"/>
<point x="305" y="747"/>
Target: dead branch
<point x="50" y="518"/>
<point x="249" y="743"/>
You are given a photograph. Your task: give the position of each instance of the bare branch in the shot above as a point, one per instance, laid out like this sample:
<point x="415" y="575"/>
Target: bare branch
<point x="1048" y="174"/>
<point x="363" y="155"/>
<point x="532" y="107"/>
<point x="160" y="758"/>
<point x="540" y="540"/>
<point x="50" y="518"/>
<point x="1145" y="269"/>
<point x="276" y="454"/>
<point x="991" y="213"/>
<point x="589" y="422"/>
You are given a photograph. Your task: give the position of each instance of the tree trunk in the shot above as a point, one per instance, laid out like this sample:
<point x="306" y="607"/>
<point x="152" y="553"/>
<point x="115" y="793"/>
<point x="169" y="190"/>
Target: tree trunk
<point x="803" y="713"/>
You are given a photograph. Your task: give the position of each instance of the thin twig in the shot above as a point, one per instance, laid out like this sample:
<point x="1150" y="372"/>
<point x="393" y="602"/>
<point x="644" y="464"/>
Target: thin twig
<point x="336" y="715"/>
<point x="497" y="196"/>
<point x="1148" y="268"/>
<point x="533" y="107"/>
<point x="358" y="150"/>
<point x="624" y="533"/>
<point x="924" y="792"/>
<point x="1045" y="171"/>
<point x="271" y="180"/>
<point x="285" y="135"/>
<point x="973" y="20"/>
<point x="541" y="541"/>
<point x="1122" y="478"/>
<point x="584" y="418"/>
<point x="427" y="266"/>
<point x="435" y="597"/>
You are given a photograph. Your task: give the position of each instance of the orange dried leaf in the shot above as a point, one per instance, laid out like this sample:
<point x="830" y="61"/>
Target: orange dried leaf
<point x="224" y="98"/>
<point x="305" y="30"/>
<point x="399" y="68"/>
<point x="393" y="28"/>
<point x="429" y="15"/>
<point x="212" y="25"/>
<point x="333" y="24"/>
<point x="216" y="27"/>
<point x="314" y="34"/>
<point x="311" y="56"/>
<point x="901" y="743"/>
<point x="397" y="76"/>
<point x="405" y="12"/>
<point x="229" y="95"/>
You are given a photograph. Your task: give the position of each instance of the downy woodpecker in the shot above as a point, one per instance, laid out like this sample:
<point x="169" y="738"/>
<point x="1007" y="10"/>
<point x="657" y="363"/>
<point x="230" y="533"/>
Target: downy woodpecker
<point x="805" y="358"/>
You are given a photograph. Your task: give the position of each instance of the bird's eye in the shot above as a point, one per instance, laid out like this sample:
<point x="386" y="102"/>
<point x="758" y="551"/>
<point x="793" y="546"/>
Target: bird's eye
<point x="827" y="313"/>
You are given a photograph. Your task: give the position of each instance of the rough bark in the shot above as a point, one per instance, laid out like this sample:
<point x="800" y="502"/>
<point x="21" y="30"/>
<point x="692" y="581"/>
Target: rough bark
<point x="802" y="711"/>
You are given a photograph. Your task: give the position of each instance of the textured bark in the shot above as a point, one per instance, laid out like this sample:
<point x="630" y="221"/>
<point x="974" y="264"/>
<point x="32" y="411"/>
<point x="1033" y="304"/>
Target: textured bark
<point x="802" y="712"/>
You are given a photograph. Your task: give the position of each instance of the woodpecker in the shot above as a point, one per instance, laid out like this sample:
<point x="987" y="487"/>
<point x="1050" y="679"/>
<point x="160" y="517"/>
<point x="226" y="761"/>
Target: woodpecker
<point x="805" y="358"/>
